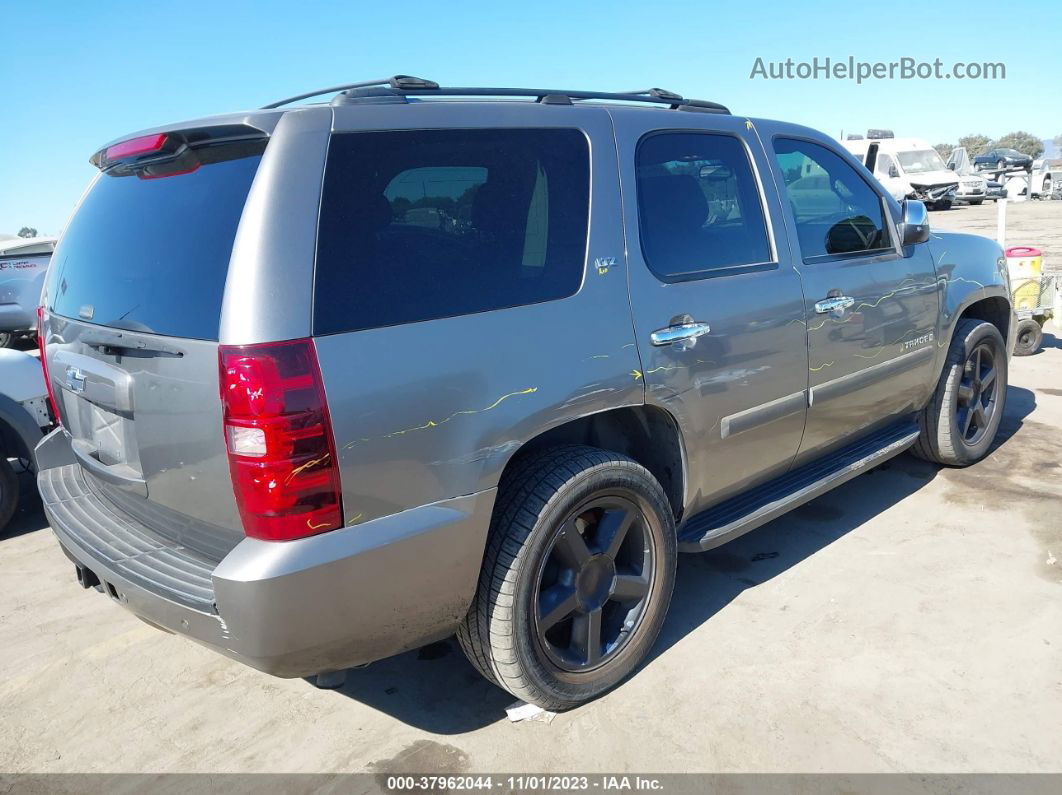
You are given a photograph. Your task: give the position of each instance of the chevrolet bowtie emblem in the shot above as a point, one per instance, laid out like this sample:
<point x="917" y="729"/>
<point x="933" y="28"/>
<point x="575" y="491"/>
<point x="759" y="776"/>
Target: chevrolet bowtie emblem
<point x="75" y="380"/>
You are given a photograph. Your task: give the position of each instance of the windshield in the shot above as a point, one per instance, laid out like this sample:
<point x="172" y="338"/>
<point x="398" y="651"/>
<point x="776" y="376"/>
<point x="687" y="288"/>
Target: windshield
<point x="921" y="161"/>
<point x="150" y="252"/>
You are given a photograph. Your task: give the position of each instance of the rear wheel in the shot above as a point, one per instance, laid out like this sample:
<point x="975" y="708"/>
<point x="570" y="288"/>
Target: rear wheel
<point x="577" y="577"/>
<point x="960" y="422"/>
<point x="1028" y="337"/>
<point x="8" y="492"/>
<point x="7" y="339"/>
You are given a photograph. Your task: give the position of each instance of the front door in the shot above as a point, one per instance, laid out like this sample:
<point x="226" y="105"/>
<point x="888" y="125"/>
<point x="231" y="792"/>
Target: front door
<point x="871" y="306"/>
<point x="718" y="307"/>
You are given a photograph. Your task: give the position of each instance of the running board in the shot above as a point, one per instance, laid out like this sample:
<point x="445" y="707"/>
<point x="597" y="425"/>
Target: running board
<point x="759" y="505"/>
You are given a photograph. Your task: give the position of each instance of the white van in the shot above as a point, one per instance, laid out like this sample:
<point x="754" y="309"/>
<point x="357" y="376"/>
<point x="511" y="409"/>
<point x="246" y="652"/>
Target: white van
<point x="910" y="168"/>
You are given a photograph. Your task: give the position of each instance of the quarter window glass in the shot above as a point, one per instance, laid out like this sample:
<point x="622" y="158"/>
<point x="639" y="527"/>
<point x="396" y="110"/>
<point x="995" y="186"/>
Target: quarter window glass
<point x="837" y="212"/>
<point x="698" y="205"/>
<point x="424" y="224"/>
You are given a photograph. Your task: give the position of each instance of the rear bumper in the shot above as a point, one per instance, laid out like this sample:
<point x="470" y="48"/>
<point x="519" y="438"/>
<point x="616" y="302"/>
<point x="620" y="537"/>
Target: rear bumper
<point x="287" y="608"/>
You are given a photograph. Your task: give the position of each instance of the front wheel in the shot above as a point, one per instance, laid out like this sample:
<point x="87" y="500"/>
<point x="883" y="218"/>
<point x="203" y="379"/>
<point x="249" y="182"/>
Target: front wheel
<point x="1028" y="337"/>
<point x="960" y="422"/>
<point x="577" y="577"/>
<point x="7" y="339"/>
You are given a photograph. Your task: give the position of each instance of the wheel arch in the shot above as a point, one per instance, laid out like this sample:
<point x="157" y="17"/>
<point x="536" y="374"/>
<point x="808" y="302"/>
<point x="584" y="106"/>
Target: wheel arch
<point x="647" y="434"/>
<point x="995" y="310"/>
<point x="18" y="432"/>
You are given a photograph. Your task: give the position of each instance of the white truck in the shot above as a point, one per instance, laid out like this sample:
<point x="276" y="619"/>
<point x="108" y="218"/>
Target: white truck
<point x="911" y="168"/>
<point x="1043" y="179"/>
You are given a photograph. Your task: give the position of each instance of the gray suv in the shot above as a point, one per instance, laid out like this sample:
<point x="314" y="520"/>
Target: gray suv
<point x="339" y="380"/>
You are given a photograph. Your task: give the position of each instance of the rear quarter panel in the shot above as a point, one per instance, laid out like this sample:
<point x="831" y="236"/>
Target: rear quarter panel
<point x="435" y="409"/>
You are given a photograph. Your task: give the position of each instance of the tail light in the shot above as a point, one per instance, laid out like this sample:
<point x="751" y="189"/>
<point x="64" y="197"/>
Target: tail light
<point x="279" y="437"/>
<point x="44" y="363"/>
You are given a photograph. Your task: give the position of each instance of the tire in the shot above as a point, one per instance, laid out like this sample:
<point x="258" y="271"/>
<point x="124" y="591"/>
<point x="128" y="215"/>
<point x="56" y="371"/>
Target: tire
<point x="552" y="509"/>
<point x="1001" y="165"/>
<point x="1027" y="337"/>
<point x="977" y="202"/>
<point x="7" y="339"/>
<point x="949" y="435"/>
<point x="8" y="492"/>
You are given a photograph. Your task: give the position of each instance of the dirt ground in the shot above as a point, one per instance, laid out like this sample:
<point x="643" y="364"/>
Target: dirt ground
<point x="1030" y="223"/>
<point x="909" y="621"/>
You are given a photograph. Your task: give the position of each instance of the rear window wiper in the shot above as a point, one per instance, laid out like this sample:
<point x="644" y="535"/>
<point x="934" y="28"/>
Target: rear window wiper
<point x="119" y="345"/>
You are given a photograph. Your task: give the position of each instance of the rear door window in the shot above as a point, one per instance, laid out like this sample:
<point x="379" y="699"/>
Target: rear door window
<point x="423" y="224"/>
<point x="150" y="252"/>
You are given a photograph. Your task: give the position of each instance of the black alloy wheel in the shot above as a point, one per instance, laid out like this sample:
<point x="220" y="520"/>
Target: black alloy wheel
<point x="594" y="583"/>
<point x="979" y="394"/>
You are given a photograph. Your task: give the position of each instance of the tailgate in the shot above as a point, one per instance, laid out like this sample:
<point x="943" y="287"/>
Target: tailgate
<point x="133" y="302"/>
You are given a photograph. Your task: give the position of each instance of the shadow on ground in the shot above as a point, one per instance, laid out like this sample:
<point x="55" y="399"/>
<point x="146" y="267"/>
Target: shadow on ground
<point x="435" y="689"/>
<point x="29" y="516"/>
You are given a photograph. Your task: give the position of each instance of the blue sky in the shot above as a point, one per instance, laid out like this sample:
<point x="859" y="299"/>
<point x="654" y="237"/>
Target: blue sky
<point x="76" y="75"/>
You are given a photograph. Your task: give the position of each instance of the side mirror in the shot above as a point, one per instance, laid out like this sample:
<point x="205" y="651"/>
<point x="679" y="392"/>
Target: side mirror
<point x="893" y="171"/>
<point x="951" y="166"/>
<point x="914" y="228"/>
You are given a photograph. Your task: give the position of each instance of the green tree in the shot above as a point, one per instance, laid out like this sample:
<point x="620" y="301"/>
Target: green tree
<point x="27" y="231"/>
<point x="1026" y="143"/>
<point x="944" y="150"/>
<point x="975" y="144"/>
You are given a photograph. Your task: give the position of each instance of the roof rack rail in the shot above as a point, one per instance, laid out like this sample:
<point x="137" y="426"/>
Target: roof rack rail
<point x="401" y="86"/>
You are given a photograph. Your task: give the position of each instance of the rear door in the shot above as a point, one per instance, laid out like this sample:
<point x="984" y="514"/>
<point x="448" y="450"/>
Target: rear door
<point x="871" y="307"/>
<point x="133" y="302"/>
<point x="717" y="302"/>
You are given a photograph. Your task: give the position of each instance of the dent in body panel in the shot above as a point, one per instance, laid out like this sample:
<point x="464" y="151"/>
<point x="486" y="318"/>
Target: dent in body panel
<point x="443" y="418"/>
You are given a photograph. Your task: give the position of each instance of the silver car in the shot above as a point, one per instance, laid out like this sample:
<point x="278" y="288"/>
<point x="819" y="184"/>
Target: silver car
<point x="340" y="380"/>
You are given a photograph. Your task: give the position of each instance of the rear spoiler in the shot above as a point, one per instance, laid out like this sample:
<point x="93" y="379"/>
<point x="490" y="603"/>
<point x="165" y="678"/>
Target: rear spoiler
<point x="167" y="143"/>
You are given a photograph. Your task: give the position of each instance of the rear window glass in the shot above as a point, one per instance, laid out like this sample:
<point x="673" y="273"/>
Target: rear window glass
<point x="151" y="252"/>
<point x="424" y="224"/>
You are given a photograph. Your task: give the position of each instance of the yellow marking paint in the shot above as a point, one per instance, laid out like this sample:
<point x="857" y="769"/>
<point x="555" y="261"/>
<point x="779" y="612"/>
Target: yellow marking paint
<point x="463" y="412"/>
<point x="665" y="367"/>
<point x="637" y="374"/>
<point x="355" y="519"/>
<point x="312" y="526"/>
<point x="300" y="469"/>
<point x="821" y="367"/>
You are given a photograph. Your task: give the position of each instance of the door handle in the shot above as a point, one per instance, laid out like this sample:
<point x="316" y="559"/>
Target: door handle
<point x="835" y="304"/>
<point x="679" y="332"/>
